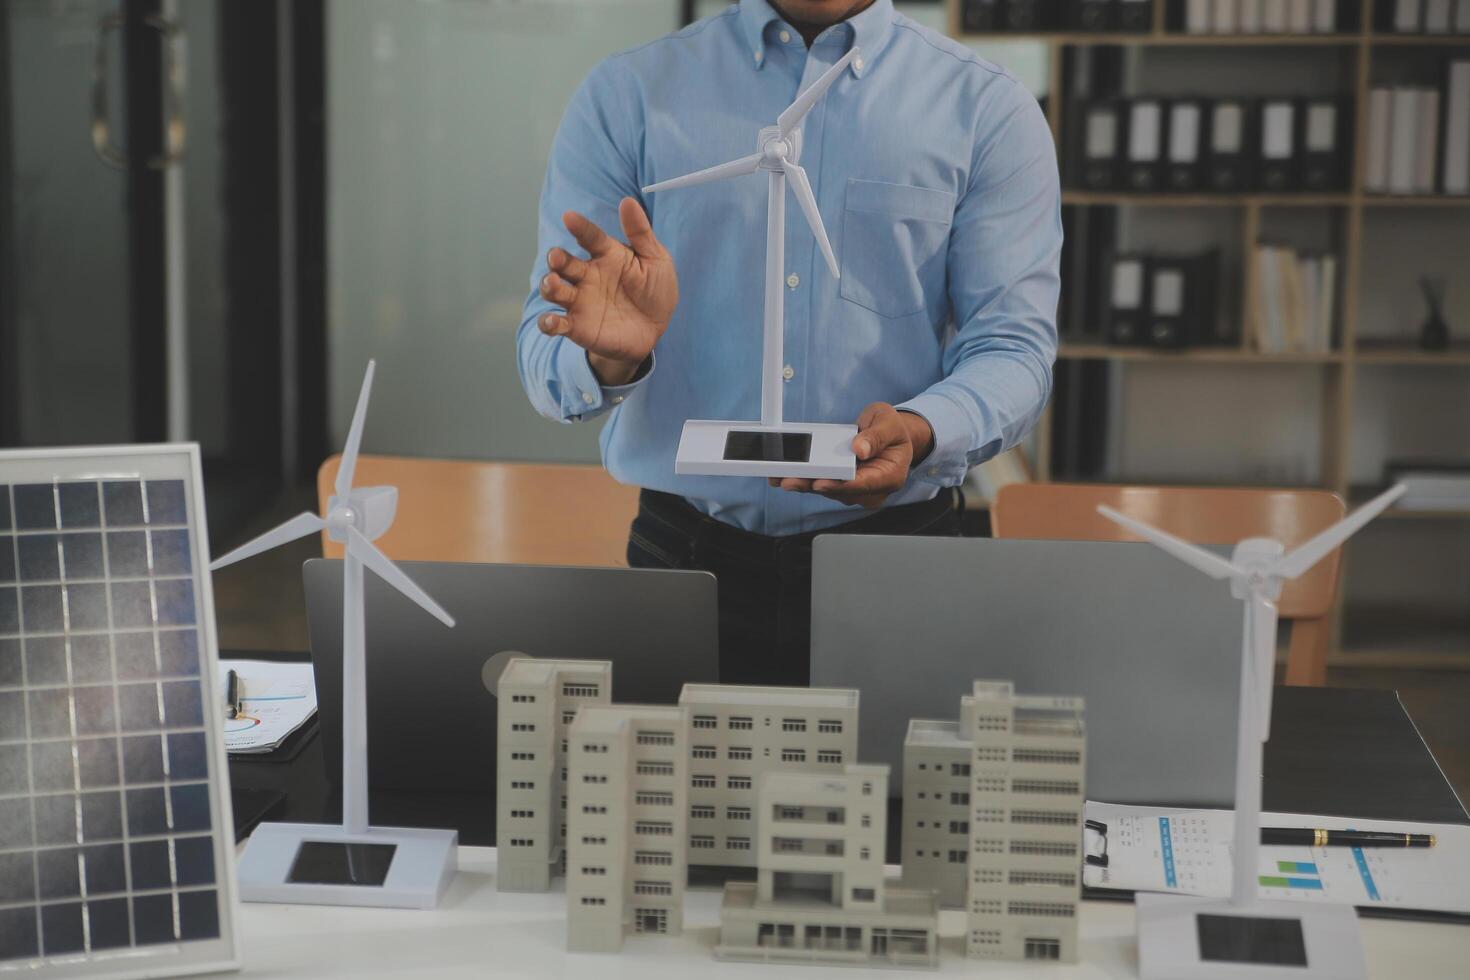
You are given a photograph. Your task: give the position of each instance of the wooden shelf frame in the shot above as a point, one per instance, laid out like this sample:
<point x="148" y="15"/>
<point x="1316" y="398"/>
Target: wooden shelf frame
<point x="1339" y="366"/>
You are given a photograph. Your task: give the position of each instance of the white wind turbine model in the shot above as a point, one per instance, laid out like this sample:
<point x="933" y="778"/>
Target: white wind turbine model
<point x="774" y="447"/>
<point x="1183" y="938"/>
<point x="354" y="864"/>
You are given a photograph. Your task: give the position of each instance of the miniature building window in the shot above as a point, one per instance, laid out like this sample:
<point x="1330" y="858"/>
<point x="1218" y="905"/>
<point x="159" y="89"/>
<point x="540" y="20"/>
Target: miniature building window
<point x="655" y="768"/>
<point x="522" y="784"/>
<point x="655" y="738"/>
<point x="739" y="723"/>
<point x="960" y="799"/>
<point x="984" y="846"/>
<point x="789" y="844"/>
<point x="836" y="815"/>
<point x="1049" y="848"/>
<point x="1062" y="879"/>
<point x="654" y="828"/>
<point x="791" y="812"/>
<point x="864" y="854"/>
<point x="523" y="698"/>
<point x="652" y="888"/>
<point x="737" y="813"/>
<point x="834" y="848"/>
<point x="959" y="826"/>
<point x="992" y="723"/>
<point x="866" y="821"/>
<point x="522" y="726"/>
<point x="523" y="814"/>
<point x="957" y="857"/>
<point x="985" y="937"/>
<point x="701" y="842"/>
<point x="563" y="746"/>
<point x="705" y="721"/>
<point x="908" y="942"/>
<point x="579" y="690"/>
<point x="1054" y="818"/>
<point x="563" y="773"/>
<point x="793" y="755"/>
<point x="701" y="811"/>
<point x="653" y="857"/>
<point x="1049" y="787"/>
<point x="651" y="920"/>
<point x="738" y="782"/>
<point x="594" y="748"/>
<point x="776" y="934"/>
<point x="867" y="789"/>
<point x="703" y="782"/>
<point x="1043" y="949"/>
<point x="923" y="766"/>
<point x="594" y="841"/>
<point x="740" y="753"/>
<point x="829" y="757"/>
<point x="991" y="753"/>
<point x="598" y="808"/>
<point x="793" y="724"/>
<point x="830" y="726"/>
<point x="990" y="784"/>
<point x="523" y="756"/>
<point x="1059" y="756"/>
<point x="959" y="768"/>
<point x="594" y="777"/>
<point x="737" y="843"/>
<point x="1055" y="910"/>
<point x="596" y="872"/>
<point x="593" y="900"/>
<point x="989" y="815"/>
<point x="646" y="798"/>
<point x="567" y="717"/>
<point x="705" y="752"/>
<point x="863" y="895"/>
<point x="522" y="842"/>
<point x="986" y="906"/>
<point x="989" y="876"/>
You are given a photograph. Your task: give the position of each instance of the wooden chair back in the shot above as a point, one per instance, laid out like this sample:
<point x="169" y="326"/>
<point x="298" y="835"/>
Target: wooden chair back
<point x="522" y="513"/>
<point x="1068" y="512"/>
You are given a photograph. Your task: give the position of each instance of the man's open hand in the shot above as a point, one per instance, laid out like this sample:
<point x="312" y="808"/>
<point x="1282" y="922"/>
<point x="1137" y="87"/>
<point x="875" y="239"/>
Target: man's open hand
<point x="887" y="443"/>
<point x="619" y="300"/>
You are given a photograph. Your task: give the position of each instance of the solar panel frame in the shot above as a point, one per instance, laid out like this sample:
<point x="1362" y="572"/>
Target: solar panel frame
<point x="106" y="776"/>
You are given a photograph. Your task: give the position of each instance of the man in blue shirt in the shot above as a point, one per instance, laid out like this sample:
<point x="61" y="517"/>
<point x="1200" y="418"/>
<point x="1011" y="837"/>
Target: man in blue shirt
<point x="936" y="177"/>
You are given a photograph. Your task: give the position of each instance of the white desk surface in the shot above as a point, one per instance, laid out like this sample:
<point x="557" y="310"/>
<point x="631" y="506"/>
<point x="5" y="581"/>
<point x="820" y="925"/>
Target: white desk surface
<point x="478" y="932"/>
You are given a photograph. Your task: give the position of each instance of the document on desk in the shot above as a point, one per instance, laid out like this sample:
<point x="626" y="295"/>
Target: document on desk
<point x="275" y="699"/>
<point x="1188" y="851"/>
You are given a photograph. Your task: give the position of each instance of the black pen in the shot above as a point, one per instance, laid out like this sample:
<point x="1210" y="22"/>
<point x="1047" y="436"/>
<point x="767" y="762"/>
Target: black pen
<point x="232" y="694"/>
<point x="1343" y="838"/>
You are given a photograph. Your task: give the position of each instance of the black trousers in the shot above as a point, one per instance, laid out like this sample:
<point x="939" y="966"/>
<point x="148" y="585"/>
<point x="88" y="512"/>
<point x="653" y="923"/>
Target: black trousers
<point x="765" y="582"/>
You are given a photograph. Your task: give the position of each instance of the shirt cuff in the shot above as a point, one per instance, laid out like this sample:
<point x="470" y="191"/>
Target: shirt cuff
<point x="582" y="395"/>
<point x="948" y="461"/>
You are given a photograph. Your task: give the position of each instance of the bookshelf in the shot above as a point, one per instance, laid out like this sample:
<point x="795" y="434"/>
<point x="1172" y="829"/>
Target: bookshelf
<point x="1363" y="637"/>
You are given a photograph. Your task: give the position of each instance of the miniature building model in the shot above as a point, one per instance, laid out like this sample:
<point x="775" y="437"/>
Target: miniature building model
<point x="737" y="735"/>
<point x="538" y="699"/>
<point x="626" y="826"/>
<point x="1026" y="802"/>
<point x="936" y="805"/>
<point x="820" y="895"/>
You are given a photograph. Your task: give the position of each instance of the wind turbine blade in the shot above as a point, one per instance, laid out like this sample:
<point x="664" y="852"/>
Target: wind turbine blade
<point x="735" y="168"/>
<point x="1193" y="555"/>
<point x="1296" y="563"/>
<point x="348" y="465"/>
<point x="802" y="188"/>
<point x="297" y="527"/>
<point x="793" y="114"/>
<point x="366" y="552"/>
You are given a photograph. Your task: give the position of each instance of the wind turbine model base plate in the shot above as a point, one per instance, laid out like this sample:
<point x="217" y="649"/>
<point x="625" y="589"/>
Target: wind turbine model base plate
<point x="809" y="450"/>
<point x="322" y="864"/>
<point x="1187" y="938"/>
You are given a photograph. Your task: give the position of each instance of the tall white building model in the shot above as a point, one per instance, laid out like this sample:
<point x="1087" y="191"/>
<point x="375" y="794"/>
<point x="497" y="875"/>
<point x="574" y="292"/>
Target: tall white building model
<point x="936" y="805"/>
<point x="626" y="824"/>
<point x="1026" y="800"/>
<point x="820" y="894"/>
<point x="736" y="736"/>
<point x="538" y="700"/>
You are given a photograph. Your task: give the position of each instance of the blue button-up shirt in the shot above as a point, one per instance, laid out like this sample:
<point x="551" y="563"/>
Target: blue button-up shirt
<point x="936" y="177"/>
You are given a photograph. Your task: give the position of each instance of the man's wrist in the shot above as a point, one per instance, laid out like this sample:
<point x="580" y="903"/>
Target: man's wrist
<point x="612" y="373"/>
<point x="921" y="434"/>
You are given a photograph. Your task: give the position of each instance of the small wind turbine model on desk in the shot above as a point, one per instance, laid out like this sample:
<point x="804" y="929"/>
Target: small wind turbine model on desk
<point x="354" y="864"/>
<point x="774" y="447"/>
<point x="1184" y="938"/>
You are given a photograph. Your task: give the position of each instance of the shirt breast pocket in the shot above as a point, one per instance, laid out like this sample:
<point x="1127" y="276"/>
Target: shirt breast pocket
<point x="895" y="241"/>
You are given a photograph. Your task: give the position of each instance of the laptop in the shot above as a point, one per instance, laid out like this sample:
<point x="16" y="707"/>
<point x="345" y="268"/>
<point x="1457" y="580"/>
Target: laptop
<point x="431" y="718"/>
<point x="1154" y="649"/>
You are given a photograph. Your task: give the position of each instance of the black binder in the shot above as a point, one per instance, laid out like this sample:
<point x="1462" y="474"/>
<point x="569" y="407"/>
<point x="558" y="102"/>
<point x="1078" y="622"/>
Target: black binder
<point x="1098" y="130"/>
<point x="1278" y="147"/>
<point x="1136" y="16"/>
<point x="1323" y="141"/>
<point x="980" y="16"/>
<point x="1093" y="15"/>
<point x="1025" y="16"/>
<point x="1127" y="300"/>
<point x="1146" y="135"/>
<point x="1184" y="165"/>
<point x="1182" y="301"/>
<point x="1231" y="134"/>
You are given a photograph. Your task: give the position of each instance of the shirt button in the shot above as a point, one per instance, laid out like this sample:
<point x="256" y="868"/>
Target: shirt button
<point x="788" y="372"/>
<point x="785" y="36"/>
<point x="588" y="397"/>
<point x="858" y="63"/>
<point x="933" y="471"/>
<point x="793" y="280"/>
<point x="758" y="56"/>
<point x="617" y="399"/>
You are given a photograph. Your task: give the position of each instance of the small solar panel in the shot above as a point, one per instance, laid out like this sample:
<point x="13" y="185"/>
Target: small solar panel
<point x="116" y="850"/>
